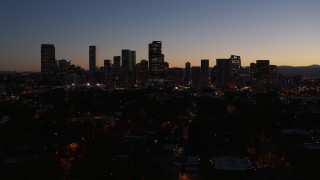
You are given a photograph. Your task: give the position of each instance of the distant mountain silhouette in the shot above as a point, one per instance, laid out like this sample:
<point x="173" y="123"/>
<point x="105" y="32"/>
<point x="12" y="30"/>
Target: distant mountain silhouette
<point x="312" y="70"/>
<point x="14" y="72"/>
<point x="7" y="72"/>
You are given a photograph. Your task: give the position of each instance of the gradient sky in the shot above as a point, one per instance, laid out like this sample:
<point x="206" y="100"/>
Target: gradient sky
<point x="287" y="32"/>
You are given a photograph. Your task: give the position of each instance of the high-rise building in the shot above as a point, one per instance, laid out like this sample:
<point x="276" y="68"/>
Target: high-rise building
<point x="234" y="70"/>
<point x="222" y="72"/>
<point x="48" y="60"/>
<point x="92" y="58"/>
<point x="187" y="72"/>
<point x="117" y="69"/>
<point x="156" y="61"/>
<point x="132" y="63"/>
<point x="235" y="65"/>
<point x="262" y="68"/>
<point x="107" y="66"/>
<point x="235" y="62"/>
<point x="128" y="60"/>
<point x="128" y="65"/>
<point x="273" y="70"/>
<point x="253" y="69"/>
<point x="107" y="71"/>
<point x="196" y="76"/>
<point x="63" y="66"/>
<point x="142" y="72"/>
<point x="228" y="71"/>
<point x="205" y="72"/>
<point x="174" y="77"/>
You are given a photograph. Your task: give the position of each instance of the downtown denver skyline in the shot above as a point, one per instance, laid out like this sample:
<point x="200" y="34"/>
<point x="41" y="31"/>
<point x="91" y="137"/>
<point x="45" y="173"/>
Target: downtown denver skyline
<point x="285" y="32"/>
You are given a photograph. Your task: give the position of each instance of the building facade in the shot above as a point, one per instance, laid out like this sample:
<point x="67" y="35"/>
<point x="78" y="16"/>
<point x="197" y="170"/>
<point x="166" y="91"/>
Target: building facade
<point x="187" y="74"/>
<point x="156" y="61"/>
<point x="196" y="76"/>
<point x="92" y="58"/>
<point x="48" y="60"/>
<point x="117" y="72"/>
<point x="222" y="72"/>
<point x="205" y="72"/>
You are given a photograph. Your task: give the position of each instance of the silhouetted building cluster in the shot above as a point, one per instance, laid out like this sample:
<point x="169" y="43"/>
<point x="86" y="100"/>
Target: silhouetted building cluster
<point x="228" y="70"/>
<point x="125" y="72"/>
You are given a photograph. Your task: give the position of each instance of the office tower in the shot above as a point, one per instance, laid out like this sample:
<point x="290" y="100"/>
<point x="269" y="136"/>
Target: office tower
<point x="145" y="71"/>
<point x="234" y="70"/>
<point x="205" y="72"/>
<point x="117" y="61"/>
<point x="128" y="60"/>
<point x="48" y="60"/>
<point x="235" y="62"/>
<point x="228" y="71"/>
<point x="142" y="72"/>
<point x="107" y="71"/>
<point x="128" y="65"/>
<point x="92" y="58"/>
<point x="117" y="69"/>
<point x="213" y="75"/>
<point x="235" y="66"/>
<point x="187" y="74"/>
<point x="63" y="66"/>
<point x="262" y="68"/>
<point x="107" y="66"/>
<point x="222" y="72"/>
<point x="156" y="61"/>
<point x="196" y="76"/>
<point x="138" y="73"/>
<point x="273" y="70"/>
<point x="174" y="77"/>
<point x="253" y="69"/>
<point x="132" y="63"/>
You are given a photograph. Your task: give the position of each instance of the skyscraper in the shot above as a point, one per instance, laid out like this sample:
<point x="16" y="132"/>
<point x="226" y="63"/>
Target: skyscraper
<point x="128" y="65"/>
<point x="63" y="66"/>
<point x="48" y="60"/>
<point x="132" y="63"/>
<point x="196" y="76"/>
<point x="223" y="72"/>
<point x="234" y="70"/>
<point x="174" y="77"/>
<point x="235" y="64"/>
<point x="253" y="69"/>
<point x="156" y="61"/>
<point x="273" y="69"/>
<point x="228" y="71"/>
<point x="205" y="72"/>
<point x="187" y="71"/>
<point x="92" y="58"/>
<point x="128" y="60"/>
<point x="107" y="71"/>
<point x="144" y="71"/>
<point x="262" y="68"/>
<point x="107" y="66"/>
<point x="116" y="69"/>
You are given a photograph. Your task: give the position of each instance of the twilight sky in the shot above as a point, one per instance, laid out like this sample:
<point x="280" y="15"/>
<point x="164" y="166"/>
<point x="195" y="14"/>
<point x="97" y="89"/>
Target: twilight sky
<point x="287" y="32"/>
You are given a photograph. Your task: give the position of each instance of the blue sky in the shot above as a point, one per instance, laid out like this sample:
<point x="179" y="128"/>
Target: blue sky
<point x="284" y="31"/>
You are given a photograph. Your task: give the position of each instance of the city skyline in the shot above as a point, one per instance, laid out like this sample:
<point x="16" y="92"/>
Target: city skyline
<point x="284" y="32"/>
